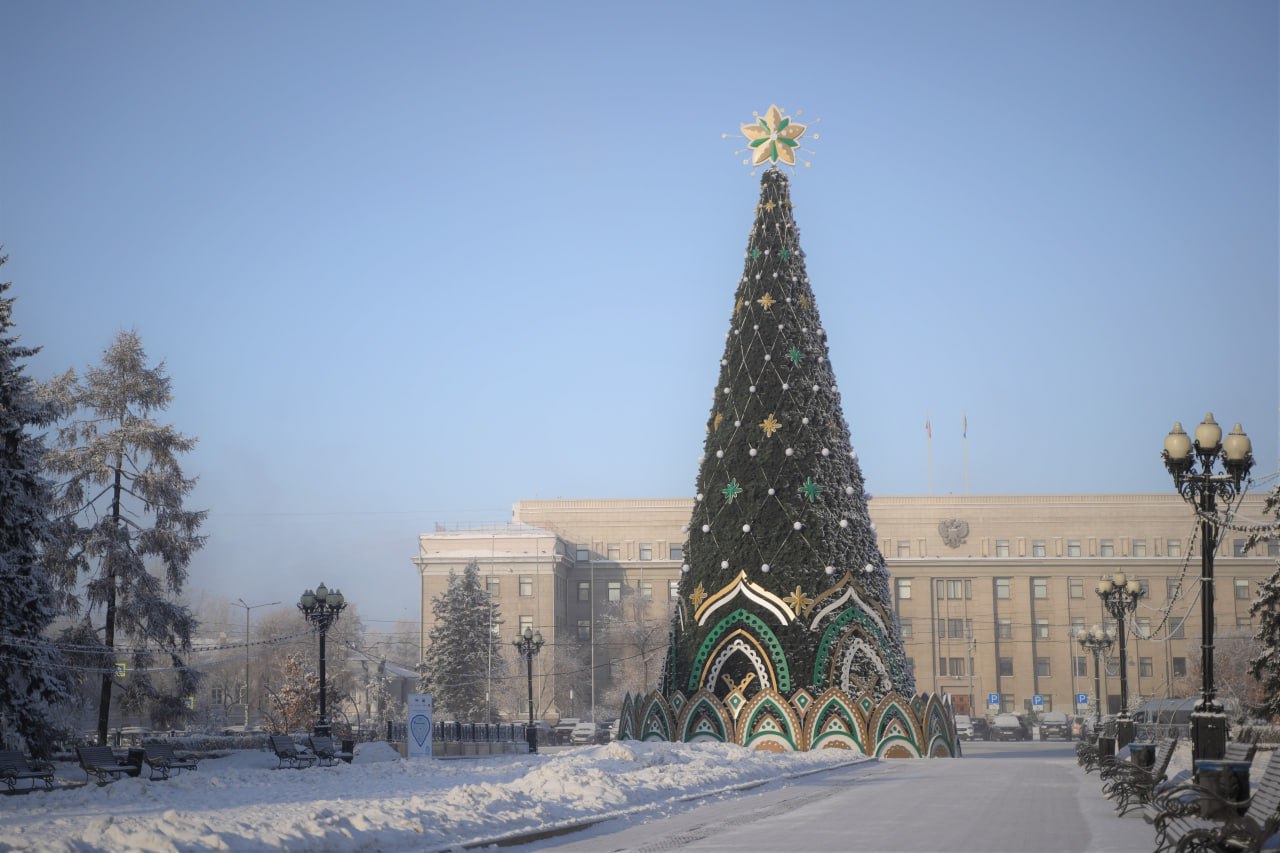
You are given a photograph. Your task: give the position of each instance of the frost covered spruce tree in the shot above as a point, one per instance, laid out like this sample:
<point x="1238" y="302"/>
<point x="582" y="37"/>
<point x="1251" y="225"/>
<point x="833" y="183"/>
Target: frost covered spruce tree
<point x="128" y="536"/>
<point x="1266" y="607"/>
<point x="32" y="678"/>
<point x="784" y="585"/>
<point x="460" y="669"/>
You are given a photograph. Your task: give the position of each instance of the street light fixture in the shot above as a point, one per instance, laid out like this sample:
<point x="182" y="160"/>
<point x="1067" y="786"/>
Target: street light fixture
<point x="1201" y="488"/>
<point x="1120" y="597"/>
<point x="1099" y="642"/>
<point x="322" y="608"/>
<point x="247" y="607"/>
<point x="527" y="646"/>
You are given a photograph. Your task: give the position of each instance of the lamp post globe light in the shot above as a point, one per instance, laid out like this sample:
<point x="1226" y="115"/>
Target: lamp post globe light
<point x="1191" y="465"/>
<point x="1099" y="642"/>
<point x="1120" y="597"/>
<point x="527" y="646"/>
<point x="321" y="607"/>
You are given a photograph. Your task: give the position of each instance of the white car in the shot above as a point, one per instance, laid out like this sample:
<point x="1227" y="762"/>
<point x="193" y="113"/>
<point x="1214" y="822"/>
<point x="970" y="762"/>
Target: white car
<point x="964" y="727"/>
<point x="583" y="733"/>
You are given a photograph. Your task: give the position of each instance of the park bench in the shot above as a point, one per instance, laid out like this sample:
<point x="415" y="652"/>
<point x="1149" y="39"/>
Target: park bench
<point x="101" y="761"/>
<point x="1088" y="754"/>
<point x="1179" y="824"/>
<point x="162" y="760"/>
<point x="288" y="754"/>
<point x="14" y="767"/>
<point x="1132" y="786"/>
<point x="327" y="752"/>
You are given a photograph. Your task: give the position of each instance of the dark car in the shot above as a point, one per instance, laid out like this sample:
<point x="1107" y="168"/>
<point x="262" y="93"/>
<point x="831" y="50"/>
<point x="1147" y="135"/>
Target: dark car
<point x="981" y="729"/>
<point x="1009" y="727"/>
<point x="1055" y="724"/>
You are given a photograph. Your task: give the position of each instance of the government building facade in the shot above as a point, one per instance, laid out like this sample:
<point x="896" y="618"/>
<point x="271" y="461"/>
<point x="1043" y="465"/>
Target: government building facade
<point x="989" y="590"/>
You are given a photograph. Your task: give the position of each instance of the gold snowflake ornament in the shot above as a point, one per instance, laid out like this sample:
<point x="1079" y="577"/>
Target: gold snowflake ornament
<point x="773" y="138"/>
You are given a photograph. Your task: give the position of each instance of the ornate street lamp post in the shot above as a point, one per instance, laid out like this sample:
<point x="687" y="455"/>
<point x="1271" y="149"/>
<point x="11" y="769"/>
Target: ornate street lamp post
<point x="1099" y="642"/>
<point x="528" y="646"/>
<point x="321" y="608"/>
<point x="1202" y="488"/>
<point x="1120" y="597"/>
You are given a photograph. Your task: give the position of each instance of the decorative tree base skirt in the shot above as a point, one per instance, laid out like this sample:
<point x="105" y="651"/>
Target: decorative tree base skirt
<point x="893" y="727"/>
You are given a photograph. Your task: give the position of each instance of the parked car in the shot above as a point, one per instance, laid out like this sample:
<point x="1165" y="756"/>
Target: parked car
<point x="607" y="732"/>
<point x="981" y="729"/>
<point x="585" y="732"/>
<point x="964" y="727"/>
<point x="1054" y="724"/>
<point x="560" y="733"/>
<point x="1009" y="727"/>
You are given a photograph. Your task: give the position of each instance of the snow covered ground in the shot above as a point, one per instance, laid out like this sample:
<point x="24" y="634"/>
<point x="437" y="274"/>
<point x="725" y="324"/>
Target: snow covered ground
<point x="380" y="802"/>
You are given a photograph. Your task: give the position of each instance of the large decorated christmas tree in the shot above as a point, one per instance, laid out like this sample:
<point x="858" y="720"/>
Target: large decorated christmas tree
<point x="785" y="635"/>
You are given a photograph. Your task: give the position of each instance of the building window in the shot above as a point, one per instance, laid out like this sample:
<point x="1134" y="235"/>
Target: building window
<point x="1082" y="665"/>
<point x="1144" y="627"/>
<point x="673" y="590"/>
<point x="1177" y="631"/>
<point x="1145" y="586"/>
<point x="584" y="554"/>
<point x="526" y="622"/>
<point x="1073" y="547"/>
<point x="493" y="586"/>
<point x="1171" y="588"/>
<point x="1273" y="547"/>
<point x="584" y="590"/>
<point x="1243" y="622"/>
<point x="957" y="667"/>
<point x="1075" y="587"/>
<point x="904" y="589"/>
<point x="1138" y="547"/>
<point x="646" y="589"/>
<point x="1042" y="668"/>
<point x="1242" y="589"/>
<point x="905" y="624"/>
<point x="1004" y="629"/>
<point x="646" y="552"/>
<point x="1002" y="547"/>
<point x="1179" y="667"/>
<point x="1002" y="588"/>
<point x="1039" y="587"/>
<point x="614" y="552"/>
<point x="615" y="591"/>
<point x="1037" y="548"/>
<point x="955" y="629"/>
<point x="1042" y="629"/>
<point x="904" y="548"/>
<point x="218" y="695"/>
<point x="526" y="586"/>
<point x="1107" y="548"/>
<point x="1173" y="548"/>
<point x="1006" y="702"/>
<point x="956" y="589"/>
<point x="675" y="552"/>
<point x="1005" y="667"/>
<point x="942" y="666"/>
<point x="1077" y="626"/>
<point x="1145" y="669"/>
<point x="584" y="629"/>
<point x="1238" y="547"/>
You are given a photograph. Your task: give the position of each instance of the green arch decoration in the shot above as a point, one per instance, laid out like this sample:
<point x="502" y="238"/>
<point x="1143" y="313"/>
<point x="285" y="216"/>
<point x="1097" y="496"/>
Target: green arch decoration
<point x="763" y="634"/>
<point x="832" y="635"/>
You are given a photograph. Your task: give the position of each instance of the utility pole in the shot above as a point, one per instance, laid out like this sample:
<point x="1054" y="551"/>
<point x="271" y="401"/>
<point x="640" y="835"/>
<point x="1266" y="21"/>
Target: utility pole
<point x="247" y="608"/>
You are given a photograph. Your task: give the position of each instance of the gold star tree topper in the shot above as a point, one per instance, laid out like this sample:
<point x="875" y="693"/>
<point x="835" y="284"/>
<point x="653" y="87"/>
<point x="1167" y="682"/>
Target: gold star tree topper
<point x="773" y="137"/>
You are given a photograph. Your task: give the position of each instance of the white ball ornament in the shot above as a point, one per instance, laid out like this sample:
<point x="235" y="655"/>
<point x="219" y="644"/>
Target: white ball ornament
<point x="725" y="389"/>
<point x="831" y="570"/>
<point x="771" y="493"/>
<point x="685" y="567"/>
<point x="868" y="568"/>
<point x="826" y="452"/>
<point x="724" y="564"/>
<point x="706" y="528"/>
<point x="804" y="421"/>
<point x="797" y="526"/>
<point x="790" y="451"/>
<point x="768" y="357"/>
<point x="789" y="298"/>
<point x="735" y="331"/>
<point x="755" y="328"/>
<point x="746" y="528"/>
<point x="751" y="452"/>
<point x="873" y="527"/>
<point x="804" y="330"/>
<point x="737" y="423"/>
<point x="848" y="490"/>
<point x="853" y="454"/>
<point x="719" y="454"/>
<point x="764" y="567"/>
<point x="724" y="362"/>
<point x="699" y="495"/>
<point x="844" y="522"/>
<point x="786" y="386"/>
<point x="815" y="389"/>
<point x="751" y="389"/>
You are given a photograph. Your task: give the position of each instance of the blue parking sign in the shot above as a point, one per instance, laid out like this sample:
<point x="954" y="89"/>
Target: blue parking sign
<point x="1037" y="701"/>
<point x="1082" y="698"/>
<point x="993" y="698"/>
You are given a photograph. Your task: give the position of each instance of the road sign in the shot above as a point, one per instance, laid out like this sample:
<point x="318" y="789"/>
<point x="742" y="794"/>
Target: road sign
<point x="122" y="670"/>
<point x="1082" y="699"/>
<point x="1037" y="701"/>
<point x="993" y="698"/>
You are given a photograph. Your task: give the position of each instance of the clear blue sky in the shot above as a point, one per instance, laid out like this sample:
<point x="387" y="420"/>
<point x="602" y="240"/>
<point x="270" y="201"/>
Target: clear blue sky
<point x="412" y="262"/>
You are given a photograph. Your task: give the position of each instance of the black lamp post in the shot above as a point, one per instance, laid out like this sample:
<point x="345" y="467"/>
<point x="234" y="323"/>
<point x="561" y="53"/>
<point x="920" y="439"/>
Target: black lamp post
<point x="1099" y="642"/>
<point x="1201" y="488"/>
<point x="528" y="646"/>
<point x="322" y="607"/>
<point x="1120" y="597"/>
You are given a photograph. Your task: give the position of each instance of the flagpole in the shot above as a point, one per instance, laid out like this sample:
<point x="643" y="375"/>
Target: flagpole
<point x="966" y="454"/>
<point x="928" y="428"/>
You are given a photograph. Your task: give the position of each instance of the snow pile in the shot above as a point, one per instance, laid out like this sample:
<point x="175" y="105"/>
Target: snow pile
<point x="379" y="802"/>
